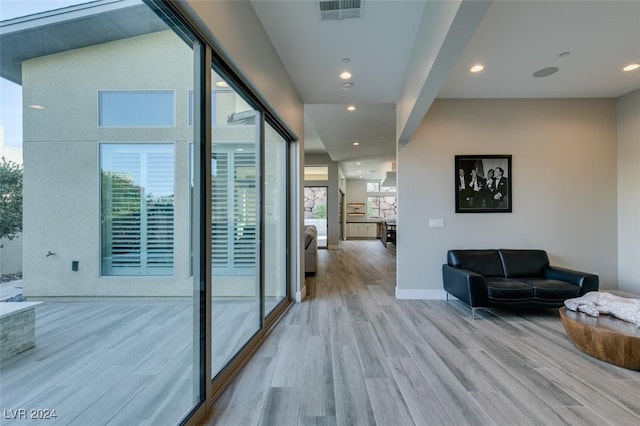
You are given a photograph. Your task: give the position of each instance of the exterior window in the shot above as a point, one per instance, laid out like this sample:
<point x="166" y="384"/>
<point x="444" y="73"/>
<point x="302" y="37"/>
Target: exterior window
<point x="145" y="108"/>
<point x="137" y="208"/>
<point x="234" y="209"/>
<point x="316" y="173"/>
<point x="381" y="201"/>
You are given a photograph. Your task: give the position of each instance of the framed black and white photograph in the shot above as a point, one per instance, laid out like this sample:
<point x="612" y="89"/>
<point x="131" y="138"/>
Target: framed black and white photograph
<point x="483" y="184"/>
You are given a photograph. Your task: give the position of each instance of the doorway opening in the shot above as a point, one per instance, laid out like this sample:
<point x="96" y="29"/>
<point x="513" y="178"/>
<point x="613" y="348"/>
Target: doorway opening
<point x="315" y="211"/>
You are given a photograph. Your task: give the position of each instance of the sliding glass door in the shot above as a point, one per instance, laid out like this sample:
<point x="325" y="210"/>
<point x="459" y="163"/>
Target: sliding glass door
<point x="235" y="223"/>
<point x="275" y="212"/>
<point x="101" y="126"/>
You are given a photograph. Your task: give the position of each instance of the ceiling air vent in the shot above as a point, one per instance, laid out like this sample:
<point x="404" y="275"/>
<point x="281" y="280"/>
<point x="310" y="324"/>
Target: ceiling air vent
<point x="340" y="9"/>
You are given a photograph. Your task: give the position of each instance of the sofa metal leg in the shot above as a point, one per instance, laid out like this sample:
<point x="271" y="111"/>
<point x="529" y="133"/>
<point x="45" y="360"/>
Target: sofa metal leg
<point x="447" y="296"/>
<point x="473" y="313"/>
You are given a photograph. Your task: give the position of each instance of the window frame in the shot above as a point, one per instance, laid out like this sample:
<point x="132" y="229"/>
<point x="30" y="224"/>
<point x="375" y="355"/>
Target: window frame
<point x="103" y="238"/>
<point x="379" y="195"/>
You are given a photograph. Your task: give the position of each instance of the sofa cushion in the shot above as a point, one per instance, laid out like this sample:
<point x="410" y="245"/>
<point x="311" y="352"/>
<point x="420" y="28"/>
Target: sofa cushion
<point x="508" y="289"/>
<point x="524" y="263"/>
<point x="483" y="262"/>
<point x="552" y="290"/>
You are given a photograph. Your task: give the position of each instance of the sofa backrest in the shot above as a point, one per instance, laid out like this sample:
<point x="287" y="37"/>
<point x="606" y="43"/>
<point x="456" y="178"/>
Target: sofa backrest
<point x="523" y="263"/>
<point x="310" y="234"/>
<point x="483" y="262"/>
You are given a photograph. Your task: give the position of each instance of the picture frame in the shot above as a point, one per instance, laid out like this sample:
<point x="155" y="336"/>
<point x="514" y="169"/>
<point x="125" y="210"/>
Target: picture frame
<point x="483" y="184"/>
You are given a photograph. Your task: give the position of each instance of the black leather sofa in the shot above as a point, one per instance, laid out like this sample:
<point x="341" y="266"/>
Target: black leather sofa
<point x="511" y="278"/>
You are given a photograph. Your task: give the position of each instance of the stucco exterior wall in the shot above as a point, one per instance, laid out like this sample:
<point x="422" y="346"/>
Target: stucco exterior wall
<point x="61" y="157"/>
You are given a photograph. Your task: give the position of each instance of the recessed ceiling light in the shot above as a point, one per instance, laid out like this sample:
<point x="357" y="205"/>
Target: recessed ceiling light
<point x="564" y="54"/>
<point x="476" y="68"/>
<point x="346" y="60"/>
<point x="359" y="171"/>
<point x="347" y="85"/>
<point x="358" y="164"/>
<point x="239" y="149"/>
<point x="356" y="143"/>
<point x="545" y="72"/>
<point x="631" y="67"/>
<point x="346" y="75"/>
<point x="34" y="106"/>
<point x="360" y="177"/>
<point x="351" y="108"/>
<point x="222" y="83"/>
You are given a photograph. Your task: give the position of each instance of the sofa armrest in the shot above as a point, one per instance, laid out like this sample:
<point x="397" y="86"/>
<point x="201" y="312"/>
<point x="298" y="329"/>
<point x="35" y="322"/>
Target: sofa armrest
<point x="586" y="281"/>
<point x="464" y="284"/>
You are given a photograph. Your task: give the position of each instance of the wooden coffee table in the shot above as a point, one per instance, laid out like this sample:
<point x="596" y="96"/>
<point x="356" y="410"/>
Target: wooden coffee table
<point x="604" y="337"/>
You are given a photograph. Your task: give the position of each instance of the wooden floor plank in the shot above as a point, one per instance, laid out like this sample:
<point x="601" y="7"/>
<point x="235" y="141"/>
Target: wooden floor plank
<point x="458" y="402"/>
<point x="371" y="355"/>
<point x="620" y="408"/>
<point x="389" y="407"/>
<point x="422" y="401"/>
<point x="352" y="400"/>
<point x="317" y="421"/>
<point x="281" y="407"/>
<point x="318" y="397"/>
<point x="290" y="368"/>
<point x="501" y="410"/>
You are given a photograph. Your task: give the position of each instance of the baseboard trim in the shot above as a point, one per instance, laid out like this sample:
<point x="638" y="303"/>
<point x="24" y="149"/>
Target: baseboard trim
<point x="417" y="294"/>
<point x="300" y="295"/>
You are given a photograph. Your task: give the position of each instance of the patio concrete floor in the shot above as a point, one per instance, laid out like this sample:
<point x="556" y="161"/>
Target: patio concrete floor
<point x="118" y="362"/>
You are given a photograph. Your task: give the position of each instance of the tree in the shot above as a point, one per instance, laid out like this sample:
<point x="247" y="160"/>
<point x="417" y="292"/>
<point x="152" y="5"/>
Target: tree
<point x="10" y="199"/>
<point x="320" y="211"/>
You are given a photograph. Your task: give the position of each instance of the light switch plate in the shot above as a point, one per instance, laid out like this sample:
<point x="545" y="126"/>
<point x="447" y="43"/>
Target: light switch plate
<point x="436" y="223"/>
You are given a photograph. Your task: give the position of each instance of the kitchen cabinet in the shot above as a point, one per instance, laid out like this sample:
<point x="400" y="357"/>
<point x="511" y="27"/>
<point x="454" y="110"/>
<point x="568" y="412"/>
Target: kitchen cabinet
<point x="362" y="230"/>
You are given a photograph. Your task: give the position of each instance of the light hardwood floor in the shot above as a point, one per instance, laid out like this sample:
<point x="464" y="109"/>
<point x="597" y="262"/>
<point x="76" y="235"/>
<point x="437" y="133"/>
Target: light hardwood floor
<point x="352" y="354"/>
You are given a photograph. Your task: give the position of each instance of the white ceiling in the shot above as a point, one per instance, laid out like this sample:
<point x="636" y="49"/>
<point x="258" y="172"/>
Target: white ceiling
<point x="514" y="39"/>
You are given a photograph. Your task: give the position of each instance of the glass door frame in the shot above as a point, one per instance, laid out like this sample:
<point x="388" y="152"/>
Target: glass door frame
<point x="220" y="382"/>
<point x="206" y="58"/>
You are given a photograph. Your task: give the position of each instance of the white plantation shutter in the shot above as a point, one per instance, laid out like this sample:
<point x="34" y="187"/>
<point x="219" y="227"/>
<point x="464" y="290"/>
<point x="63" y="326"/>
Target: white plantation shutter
<point x="220" y="223"/>
<point x="122" y="201"/>
<point x="137" y="209"/>
<point x="234" y="211"/>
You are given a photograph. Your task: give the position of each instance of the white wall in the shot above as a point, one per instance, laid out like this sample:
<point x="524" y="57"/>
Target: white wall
<point x="629" y="192"/>
<point x="564" y="186"/>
